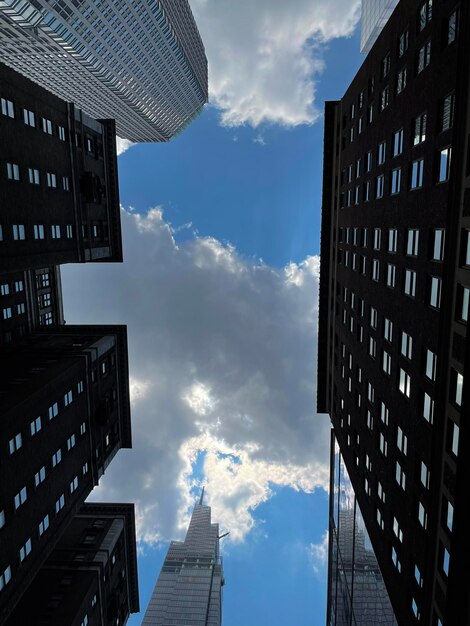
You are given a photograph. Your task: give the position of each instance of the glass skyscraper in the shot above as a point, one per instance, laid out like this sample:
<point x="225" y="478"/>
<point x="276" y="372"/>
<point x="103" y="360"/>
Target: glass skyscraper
<point x="141" y="63"/>
<point x="189" y="588"/>
<point x="357" y="595"/>
<point x="375" y="14"/>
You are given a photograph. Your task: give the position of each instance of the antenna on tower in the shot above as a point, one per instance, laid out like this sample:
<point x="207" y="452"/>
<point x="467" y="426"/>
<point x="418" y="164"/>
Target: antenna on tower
<point x="202" y="496"/>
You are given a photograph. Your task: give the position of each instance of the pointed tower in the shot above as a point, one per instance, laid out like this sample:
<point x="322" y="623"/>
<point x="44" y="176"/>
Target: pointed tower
<point x="189" y="587"/>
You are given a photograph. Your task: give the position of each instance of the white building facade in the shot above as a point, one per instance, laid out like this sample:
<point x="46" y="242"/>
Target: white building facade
<point x="375" y="14"/>
<point x="140" y="62"/>
<point x="189" y="587"/>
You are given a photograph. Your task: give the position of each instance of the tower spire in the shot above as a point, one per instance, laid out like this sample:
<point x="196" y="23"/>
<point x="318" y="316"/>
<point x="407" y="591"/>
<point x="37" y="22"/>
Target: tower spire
<point x="202" y="497"/>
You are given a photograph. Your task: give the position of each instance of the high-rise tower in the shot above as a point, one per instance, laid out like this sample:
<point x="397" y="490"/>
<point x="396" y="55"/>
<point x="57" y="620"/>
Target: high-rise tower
<point x="141" y="63"/>
<point x="374" y="16"/>
<point x="394" y="346"/>
<point x="190" y="583"/>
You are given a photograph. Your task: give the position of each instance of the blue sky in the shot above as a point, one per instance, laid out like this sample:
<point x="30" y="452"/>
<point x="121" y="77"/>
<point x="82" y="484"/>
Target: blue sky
<point x="219" y="291"/>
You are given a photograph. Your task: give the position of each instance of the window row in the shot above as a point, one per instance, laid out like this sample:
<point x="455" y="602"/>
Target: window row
<point x="14" y="172"/>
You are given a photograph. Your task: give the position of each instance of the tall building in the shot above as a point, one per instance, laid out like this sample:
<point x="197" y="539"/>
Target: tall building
<point x="58" y="180"/>
<point x="64" y="401"/>
<point x="374" y="16"/>
<point x="90" y="578"/>
<point x="394" y="297"/>
<point x="189" y="587"/>
<point x="356" y="590"/>
<point x="141" y="63"/>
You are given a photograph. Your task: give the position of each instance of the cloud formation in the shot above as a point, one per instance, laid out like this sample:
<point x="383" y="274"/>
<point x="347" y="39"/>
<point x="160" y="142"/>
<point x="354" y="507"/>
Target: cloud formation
<point x="122" y="145"/>
<point x="222" y="354"/>
<point x="318" y="554"/>
<point x="265" y="55"/>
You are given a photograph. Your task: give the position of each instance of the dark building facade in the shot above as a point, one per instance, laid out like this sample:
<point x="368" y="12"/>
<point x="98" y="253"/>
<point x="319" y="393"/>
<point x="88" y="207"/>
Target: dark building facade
<point x="58" y="180"/>
<point x="29" y="299"/>
<point x="90" y="578"/>
<point x="64" y="401"/>
<point x="394" y="296"/>
<point x="356" y="590"/>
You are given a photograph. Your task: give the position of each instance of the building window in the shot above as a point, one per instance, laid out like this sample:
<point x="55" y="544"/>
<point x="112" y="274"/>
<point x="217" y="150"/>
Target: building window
<point x="425" y="15"/>
<point x="47" y="126"/>
<point x="445" y="562"/>
<point x="36" y="426"/>
<point x="384" y="98"/>
<point x="80" y="386"/>
<point x="21" y="497"/>
<point x="60" y="503"/>
<point x="61" y="132"/>
<point x="367" y="191"/>
<point x="19" y="233"/>
<point x="65" y="183"/>
<point x="40" y="476"/>
<point x="422" y="516"/>
<point x="73" y="485"/>
<point x="431" y="365"/>
<point x="82" y="428"/>
<point x="395" y="560"/>
<point x="373" y="317"/>
<point x="13" y="171"/>
<point x="43" y="525"/>
<point x="419" y="134"/>
<point x="387" y="363"/>
<point x="428" y="408"/>
<point x="406" y="345"/>
<point x="386" y="65"/>
<point x="68" y="398"/>
<point x="410" y="283"/>
<point x="33" y="176"/>
<point x="383" y="445"/>
<point x="397" y="530"/>
<point x="444" y="164"/>
<point x="375" y="270"/>
<point x="456" y="387"/>
<point x="360" y="125"/>
<point x="56" y="457"/>
<point x="403" y="43"/>
<point x="51" y="180"/>
<point x="71" y="442"/>
<point x="425" y="475"/>
<point x="401" y="80"/>
<point x="15" y="443"/>
<point x="29" y="118"/>
<point x="412" y="242"/>
<point x="53" y="410"/>
<point x="55" y="231"/>
<point x="85" y="468"/>
<point x="452" y="27"/>
<point x="69" y="231"/>
<point x="400" y="476"/>
<point x="25" y="550"/>
<point x="396" y="181"/>
<point x="377" y="238"/>
<point x="370" y="113"/>
<point x="8" y="108"/>
<point x="379" y="192"/>
<point x="402" y="441"/>
<point x="435" y="292"/>
<point x="463" y="303"/>
<point x="438" y="247"/>
<point x="415" y="609"/>
<point x="447" y="112"/>
<point x="424" y="56"/>
<point x="404" y="383"/>
<point x="381" y="153"/>
<point x="450" y="516"/>
<point x="391" y="275"/>
<point x="398" y="142"/>
<point x="380" y="519"/>
<point x="369" y="161"/>
<point x="417" y="171"/>
<point x="372" y="347"/>
<point x="7" y="313"/>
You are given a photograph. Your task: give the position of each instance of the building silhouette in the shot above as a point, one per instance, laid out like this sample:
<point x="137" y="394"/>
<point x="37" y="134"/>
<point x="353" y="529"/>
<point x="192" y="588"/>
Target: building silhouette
<point x="151" y="77"/>
<point x="91" y="575"/>
<point x="189" y="587"/>
<point x="394" y="295"/>
<point x="64" y="389"/>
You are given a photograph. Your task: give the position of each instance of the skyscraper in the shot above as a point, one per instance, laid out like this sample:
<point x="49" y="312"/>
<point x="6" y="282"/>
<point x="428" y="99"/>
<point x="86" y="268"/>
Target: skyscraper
<point x="141" y="63"/>
<point x="394" y="303"/>
<point x="189" y="587"/>
<point x="374" y="16"/>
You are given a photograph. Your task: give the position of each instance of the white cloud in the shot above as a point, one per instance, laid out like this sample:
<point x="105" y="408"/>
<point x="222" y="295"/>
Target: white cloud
<point x="222" y="357"/>
<point x="318" y="554"/>
<point x="266" y="55"/>
<point x="122" y="145"/>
